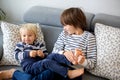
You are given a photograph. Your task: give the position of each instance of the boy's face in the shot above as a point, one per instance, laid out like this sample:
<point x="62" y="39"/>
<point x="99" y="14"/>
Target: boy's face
<point x="69" y="29"/>
<point x="27" y="37"/>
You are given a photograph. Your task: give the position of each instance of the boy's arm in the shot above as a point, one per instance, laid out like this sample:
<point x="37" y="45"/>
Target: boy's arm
<point x="91" y="56"/>
<point x="59" y="44"/>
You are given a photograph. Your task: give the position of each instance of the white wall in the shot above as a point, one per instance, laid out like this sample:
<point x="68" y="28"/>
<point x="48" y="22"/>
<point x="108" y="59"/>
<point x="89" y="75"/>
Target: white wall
<point x="16" y="8"/>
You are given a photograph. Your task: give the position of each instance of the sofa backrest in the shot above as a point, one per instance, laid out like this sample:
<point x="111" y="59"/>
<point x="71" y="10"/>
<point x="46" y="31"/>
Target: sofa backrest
<point x="106" y="19"/>
<point x="49" y="18"/>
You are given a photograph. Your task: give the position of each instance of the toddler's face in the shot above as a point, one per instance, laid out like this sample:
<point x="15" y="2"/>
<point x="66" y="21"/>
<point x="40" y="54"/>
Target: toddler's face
<point x="27" y="36"/>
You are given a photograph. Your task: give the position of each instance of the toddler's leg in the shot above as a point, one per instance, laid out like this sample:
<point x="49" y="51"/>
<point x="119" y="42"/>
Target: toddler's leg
<point x="6" y="74"/>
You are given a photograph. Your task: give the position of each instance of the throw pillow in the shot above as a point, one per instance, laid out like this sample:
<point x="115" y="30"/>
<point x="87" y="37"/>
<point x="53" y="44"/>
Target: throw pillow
<point x="108" y="52"/>
<point x="10" y="38"/>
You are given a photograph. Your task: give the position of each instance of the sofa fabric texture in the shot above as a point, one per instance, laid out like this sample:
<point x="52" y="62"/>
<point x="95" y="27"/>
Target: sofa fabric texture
<point x="49" y="19"/>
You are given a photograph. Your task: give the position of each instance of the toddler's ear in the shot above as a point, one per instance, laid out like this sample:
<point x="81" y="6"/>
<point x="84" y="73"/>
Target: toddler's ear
<point x="78" y="52"/>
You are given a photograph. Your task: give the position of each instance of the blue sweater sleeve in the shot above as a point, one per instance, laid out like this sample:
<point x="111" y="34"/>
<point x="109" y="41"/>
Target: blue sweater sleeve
<point x="43" y="48"/>
<point x="20" y="54"/>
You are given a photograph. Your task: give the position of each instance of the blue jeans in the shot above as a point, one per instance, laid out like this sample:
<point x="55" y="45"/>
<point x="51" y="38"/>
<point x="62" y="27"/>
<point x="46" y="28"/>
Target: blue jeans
<point x="59" y="77"/>
<point x="61" y="60"/>
<point x="45" y="75"/>
<point x="52" y="62"/>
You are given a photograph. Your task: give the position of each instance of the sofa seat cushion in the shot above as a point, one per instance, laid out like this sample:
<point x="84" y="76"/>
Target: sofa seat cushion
<point x="88" y="76"/>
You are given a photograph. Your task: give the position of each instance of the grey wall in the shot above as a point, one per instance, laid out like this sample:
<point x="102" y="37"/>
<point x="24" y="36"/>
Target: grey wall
<point x="16" y="8"/>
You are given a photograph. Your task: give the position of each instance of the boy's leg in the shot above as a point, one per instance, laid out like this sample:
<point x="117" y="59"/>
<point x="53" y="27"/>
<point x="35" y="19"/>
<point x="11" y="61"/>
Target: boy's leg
<point x="59" y="77"/>
<point x="63" y="71"/>
<point x="55" y="67"/>
<point x="39" y="66"/>
<point x="45" y="75"/>
<point x="61" y="59"/>
<point x="75" y="74"/>
<point x="58" y="58"/>
<point x="77" y="78"/>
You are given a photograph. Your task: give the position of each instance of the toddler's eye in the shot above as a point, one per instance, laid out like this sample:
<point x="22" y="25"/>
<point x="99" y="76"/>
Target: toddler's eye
<point x="23" y="35"/>
<point x="30" y="35"/>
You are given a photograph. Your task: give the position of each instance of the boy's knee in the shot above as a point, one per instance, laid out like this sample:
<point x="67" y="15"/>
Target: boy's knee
<point x="45" y="60"/>
<point x="53" y="55"/>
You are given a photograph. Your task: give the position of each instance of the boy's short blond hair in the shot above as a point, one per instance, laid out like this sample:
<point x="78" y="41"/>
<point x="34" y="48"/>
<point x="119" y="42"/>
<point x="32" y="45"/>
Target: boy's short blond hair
<point x="31" y="27"/>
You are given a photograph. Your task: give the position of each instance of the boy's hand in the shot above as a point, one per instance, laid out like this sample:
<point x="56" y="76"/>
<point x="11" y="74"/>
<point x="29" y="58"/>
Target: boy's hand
<point x="40" y="53"/>
<point x="81" y="59"/>
<point x="33" y="53"/>
<point x="70" y="56"/>
<point x="80" y="56"/>
<point x="78" y="52"/>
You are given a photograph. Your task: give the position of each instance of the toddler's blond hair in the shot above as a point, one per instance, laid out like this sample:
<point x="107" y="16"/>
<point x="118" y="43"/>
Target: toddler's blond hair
<point x="31" y="27"/>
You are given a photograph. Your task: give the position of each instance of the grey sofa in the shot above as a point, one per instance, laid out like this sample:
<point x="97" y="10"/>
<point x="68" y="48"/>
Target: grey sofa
<point x="49" y="19"/>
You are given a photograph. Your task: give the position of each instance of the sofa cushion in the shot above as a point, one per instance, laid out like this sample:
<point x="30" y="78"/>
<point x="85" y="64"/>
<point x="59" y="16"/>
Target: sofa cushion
<point x="108" y="52"/>
<point x="10" y="38"/>
<point x="1" y="44"/>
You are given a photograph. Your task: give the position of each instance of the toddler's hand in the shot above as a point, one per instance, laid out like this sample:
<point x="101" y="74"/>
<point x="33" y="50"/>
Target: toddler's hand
<point x="40" y="53"/>
<point x="33" y="53"/>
